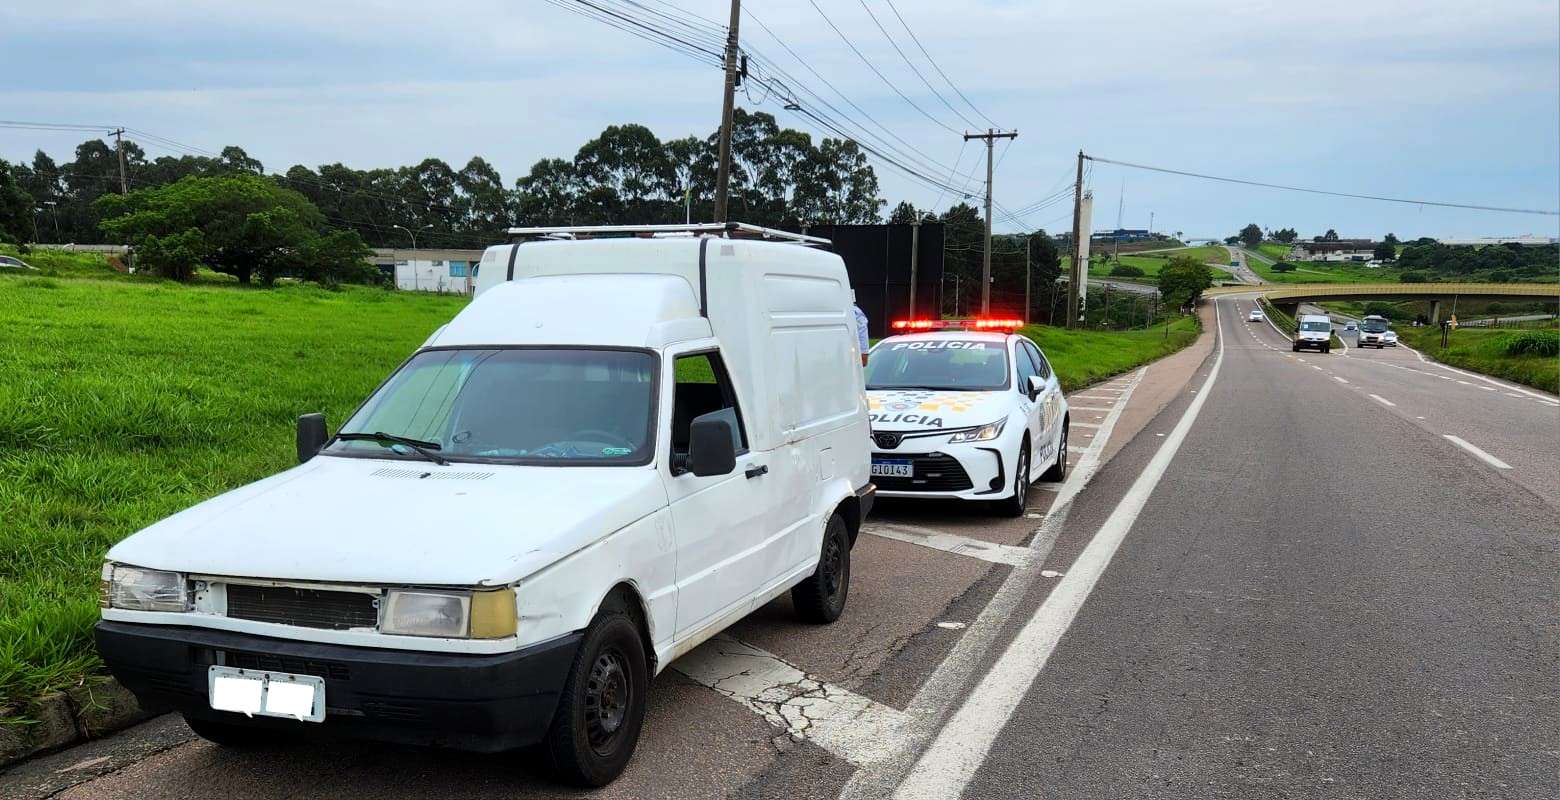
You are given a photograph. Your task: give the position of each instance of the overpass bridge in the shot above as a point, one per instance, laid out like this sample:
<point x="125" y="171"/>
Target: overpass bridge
<point x="1287" y="298"/>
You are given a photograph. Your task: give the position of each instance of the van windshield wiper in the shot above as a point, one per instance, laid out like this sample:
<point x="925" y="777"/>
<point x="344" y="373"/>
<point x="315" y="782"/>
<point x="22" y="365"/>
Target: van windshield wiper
<point x="424" y="449"/>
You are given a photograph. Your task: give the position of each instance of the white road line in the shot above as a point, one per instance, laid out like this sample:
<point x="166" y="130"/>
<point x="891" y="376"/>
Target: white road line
<point x="947" y="766"/>
<point x="1382" y="400"/>
<point x="1338" y="379"/>
<point x="1486" y="457"/>
<point x="951" y="677"/>
<point x="1084" y="424"/>
<point x="1485" y="378"/>
<point x="950" y="543"/>
<point x="1488" y="388"/>
<point x="1071" y="407"/>
<point x="1313" y="366"/>
<point x="851" y="726"/>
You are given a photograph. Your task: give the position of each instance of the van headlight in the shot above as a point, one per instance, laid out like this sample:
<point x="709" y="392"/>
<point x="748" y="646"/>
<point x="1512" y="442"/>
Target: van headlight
<point x="137" y="589"/>
<point x="449" y="614"/>
<point x="984" y="433"/>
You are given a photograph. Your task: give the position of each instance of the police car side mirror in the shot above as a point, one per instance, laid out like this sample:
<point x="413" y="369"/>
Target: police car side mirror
<point x="710" y="448"/>
<point x="311" y="436"/>
<point x="1036" y="386"/>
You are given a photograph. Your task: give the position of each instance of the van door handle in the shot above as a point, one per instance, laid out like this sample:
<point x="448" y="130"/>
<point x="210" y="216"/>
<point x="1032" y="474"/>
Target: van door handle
<point x="754" y="472"/>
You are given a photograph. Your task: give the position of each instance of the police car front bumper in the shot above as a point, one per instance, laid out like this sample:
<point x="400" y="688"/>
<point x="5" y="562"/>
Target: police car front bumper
<point x="964" y="471"/>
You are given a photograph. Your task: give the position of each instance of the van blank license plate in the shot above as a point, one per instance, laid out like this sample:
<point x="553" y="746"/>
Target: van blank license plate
<point x="268" y="694"/>
<point x="893" y="469"/>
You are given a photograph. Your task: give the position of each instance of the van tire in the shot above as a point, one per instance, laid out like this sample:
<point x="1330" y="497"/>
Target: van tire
<point x="820" y="599"/>
<point x="1326" y="348"/>
<point x="589" y="747"/>
<point x="1058" y="471"/>
<point x="1014" y="506"/>
<point x="236" y="735"/>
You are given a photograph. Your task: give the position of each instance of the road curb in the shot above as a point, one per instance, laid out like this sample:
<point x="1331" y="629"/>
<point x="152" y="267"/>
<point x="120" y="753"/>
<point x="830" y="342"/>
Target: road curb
<point x="61" y="719"/>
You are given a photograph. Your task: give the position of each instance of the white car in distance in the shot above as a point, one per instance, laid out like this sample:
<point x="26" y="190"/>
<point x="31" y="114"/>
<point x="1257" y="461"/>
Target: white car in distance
<point x="967" y="410"/>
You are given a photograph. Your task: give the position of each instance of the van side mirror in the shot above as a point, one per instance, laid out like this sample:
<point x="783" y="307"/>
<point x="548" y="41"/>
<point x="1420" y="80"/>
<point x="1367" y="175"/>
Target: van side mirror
<point x="710" y="448"/>
<point x="311" y="436"/>
<point x="1036" y="386"/>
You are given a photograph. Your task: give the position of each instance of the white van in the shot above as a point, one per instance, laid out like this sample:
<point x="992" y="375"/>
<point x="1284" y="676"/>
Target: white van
<point x="620" y="448"/>
<point x="1314" y="331"/>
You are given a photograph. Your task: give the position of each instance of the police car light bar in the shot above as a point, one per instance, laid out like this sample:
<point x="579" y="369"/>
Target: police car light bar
<point x="995" y="325"/>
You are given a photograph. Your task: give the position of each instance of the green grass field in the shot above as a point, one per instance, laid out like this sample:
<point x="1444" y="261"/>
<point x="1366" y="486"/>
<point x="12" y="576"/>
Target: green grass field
<point x="130" y="399"/>
<point x="1152" y="263"/>
<point x="125" y="402"/>
<point x="1486" y="350"/>
<point x="1274" y="250"/>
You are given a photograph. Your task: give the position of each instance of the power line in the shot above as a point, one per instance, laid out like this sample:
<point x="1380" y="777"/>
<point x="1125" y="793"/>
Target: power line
<point x="1325" y="192"/>
<point x="877" y="72"/>
<point x="912" y="66"/>
<point x="933" y="62"/>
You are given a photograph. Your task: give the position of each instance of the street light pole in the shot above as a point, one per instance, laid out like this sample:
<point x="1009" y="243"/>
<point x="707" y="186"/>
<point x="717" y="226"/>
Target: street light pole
<point x="412" y="233"/>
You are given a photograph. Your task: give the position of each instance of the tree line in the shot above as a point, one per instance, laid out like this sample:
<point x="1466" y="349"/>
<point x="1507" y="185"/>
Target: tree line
<point x="779" y="177"/>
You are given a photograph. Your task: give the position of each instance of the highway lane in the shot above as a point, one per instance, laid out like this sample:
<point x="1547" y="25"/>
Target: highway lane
<point x="1323" y="597"/>
<point x="1243" y="272"/>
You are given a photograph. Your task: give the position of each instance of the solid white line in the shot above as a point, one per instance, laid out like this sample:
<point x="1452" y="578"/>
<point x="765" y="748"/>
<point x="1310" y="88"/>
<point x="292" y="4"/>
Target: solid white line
<point x="1382" y="400"/>
<point x="1488" y="459"/>
<point x="950" y="543"/>
<point x="1485" y="378"/>
<point x="946" y="767"/>
<point x="1071" y="407"/>
<point x="856" y="728"/>
<point x="951" y="677"/>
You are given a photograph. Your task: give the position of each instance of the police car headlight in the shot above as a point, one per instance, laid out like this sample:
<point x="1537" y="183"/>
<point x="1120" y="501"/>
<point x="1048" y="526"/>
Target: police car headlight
<point x="451" y="615"/>
<point x="984" y="433"/>
<point x="137" y="589"/>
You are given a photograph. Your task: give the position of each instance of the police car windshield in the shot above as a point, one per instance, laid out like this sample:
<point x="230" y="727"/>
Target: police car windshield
<point x="913" y="363"/>
<point x="513" y="405"/>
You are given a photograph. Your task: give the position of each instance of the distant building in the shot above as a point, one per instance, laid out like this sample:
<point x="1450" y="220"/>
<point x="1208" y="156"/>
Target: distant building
<point x="1122" y="235"/>
<point x="1525" y="241"/>
<point x="1335" y="250"/>
<point x="428" y="270"/>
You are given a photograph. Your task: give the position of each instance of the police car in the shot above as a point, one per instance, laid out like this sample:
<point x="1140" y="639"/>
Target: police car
<point x="964" y="409"/>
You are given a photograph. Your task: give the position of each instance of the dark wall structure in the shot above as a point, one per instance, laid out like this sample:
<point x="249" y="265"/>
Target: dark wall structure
<point x="878" y="259"/>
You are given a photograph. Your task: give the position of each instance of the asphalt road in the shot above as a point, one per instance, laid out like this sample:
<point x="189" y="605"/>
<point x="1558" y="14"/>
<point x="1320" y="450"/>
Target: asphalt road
<point x="1323" y="597"/>
<point x="1243" y="272"/>
<point x="1270" y="575"/>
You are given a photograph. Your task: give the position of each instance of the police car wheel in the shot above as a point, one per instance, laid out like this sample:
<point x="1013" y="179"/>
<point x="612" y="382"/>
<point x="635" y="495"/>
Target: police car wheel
<point x="1014" y="506"/>
<point x="820" y="599"/>
<point x="1058" y="471"/>
<point x="237" y="735"/>
<point x="602" y="706"/>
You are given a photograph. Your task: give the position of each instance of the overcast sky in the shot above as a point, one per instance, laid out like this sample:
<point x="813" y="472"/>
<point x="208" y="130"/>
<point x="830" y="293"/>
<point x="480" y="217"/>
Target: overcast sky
<point x="1431" y="100"/>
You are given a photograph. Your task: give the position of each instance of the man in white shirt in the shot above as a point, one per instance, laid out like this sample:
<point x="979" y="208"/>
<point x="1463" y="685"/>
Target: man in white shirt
<point x="861" y="328"/>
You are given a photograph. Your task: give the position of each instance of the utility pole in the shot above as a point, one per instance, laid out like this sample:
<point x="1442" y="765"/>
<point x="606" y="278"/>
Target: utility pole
<point x="1121" y="206"/>
<point x="723" y="171"/>
<point x="915" y="256"/>
<point x="1150" y="224"/>
<point x="1027" y="242"/>
<point x="1078" y="273"/>
<point x="119" y="144"/>
<point x="991" y="135"/>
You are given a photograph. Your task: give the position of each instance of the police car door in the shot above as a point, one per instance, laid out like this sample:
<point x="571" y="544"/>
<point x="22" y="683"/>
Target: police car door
<point x="1048" y="408"/>
<point x="1034" y="418"/>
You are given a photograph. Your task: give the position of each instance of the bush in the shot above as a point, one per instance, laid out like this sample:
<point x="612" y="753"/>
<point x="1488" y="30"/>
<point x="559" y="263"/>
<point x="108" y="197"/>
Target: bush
<point x="1388" y="310"/>
<point x="1283" y="266"/>
<point x="1532" y="343"/>
<point x="1413" y="277"/>
<point x="1501" y="276"/>
<point x="1125" y="271"/>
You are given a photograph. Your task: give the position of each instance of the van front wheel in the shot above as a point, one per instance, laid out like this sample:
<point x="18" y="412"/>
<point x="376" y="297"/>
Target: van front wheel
<point x="820" y="598"/>
<point x="596" y="726"/>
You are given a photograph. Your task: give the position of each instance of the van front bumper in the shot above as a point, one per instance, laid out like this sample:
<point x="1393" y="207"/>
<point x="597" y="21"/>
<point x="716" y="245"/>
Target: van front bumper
<point x="482" y="703"/>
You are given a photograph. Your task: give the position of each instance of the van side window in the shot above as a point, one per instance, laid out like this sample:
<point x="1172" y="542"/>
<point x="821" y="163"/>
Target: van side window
<point x="703" y="386"/>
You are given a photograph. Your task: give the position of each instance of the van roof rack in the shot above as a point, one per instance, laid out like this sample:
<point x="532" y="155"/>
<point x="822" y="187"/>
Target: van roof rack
<point x="729" y="230"/>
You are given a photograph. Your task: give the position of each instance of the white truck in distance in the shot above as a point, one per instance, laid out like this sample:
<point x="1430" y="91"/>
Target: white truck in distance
<point x="1373" y="333"/>
<point x="1313" y="331"/>
<point x="619" y="448"/>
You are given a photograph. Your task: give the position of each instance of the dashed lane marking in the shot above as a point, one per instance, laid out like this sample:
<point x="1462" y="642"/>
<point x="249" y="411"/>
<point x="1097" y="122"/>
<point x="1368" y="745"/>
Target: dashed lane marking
<point x="1382" y="400"/>
<point x="1340" y="380"/>
<point x="1485" y="457"/>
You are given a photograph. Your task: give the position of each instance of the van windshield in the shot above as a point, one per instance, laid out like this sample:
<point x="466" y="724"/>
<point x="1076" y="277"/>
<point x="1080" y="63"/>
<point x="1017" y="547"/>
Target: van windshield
<point x="1315" y="325"/>
<point x="514" y="405"/>
<point x="1374" y="326"/>
<point x="938" y="364"/>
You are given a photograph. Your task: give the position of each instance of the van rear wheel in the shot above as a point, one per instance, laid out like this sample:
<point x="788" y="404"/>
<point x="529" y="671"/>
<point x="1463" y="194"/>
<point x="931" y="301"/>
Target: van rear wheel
<point x="602" y="708"/>
<point x="820" y="599"/>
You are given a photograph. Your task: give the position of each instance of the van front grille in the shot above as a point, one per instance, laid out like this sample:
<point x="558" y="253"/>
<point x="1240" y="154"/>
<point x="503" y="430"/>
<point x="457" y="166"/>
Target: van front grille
<point x="306" y="608"/>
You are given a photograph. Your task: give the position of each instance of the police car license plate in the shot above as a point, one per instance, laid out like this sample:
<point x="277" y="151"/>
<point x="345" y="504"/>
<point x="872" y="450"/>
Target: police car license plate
<point x="268" y="694"/>
<point x="893" y="469"/>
